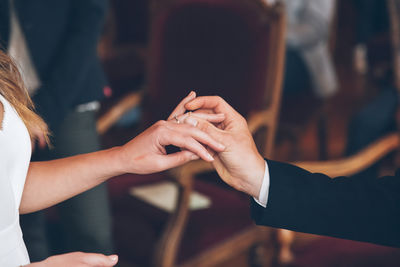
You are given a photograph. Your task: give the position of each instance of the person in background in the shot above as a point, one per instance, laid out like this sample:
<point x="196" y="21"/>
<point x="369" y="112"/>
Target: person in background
<point x="371" y="19"/>
<point x="54" y="45"/>
<point x="308" y="60"/>
<point x="378" y="116"/>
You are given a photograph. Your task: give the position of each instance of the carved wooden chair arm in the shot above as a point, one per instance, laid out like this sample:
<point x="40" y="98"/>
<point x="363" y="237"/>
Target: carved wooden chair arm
<point x="260" y="119"/>
<point x="356" y="163"/>
<point x="108" y="119"/>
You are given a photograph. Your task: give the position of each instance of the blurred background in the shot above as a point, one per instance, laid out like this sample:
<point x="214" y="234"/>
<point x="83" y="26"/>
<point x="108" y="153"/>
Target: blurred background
<point x="318" y="81"/>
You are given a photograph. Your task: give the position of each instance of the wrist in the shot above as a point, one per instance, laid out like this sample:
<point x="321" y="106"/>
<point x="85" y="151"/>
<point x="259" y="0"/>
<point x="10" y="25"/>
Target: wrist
<point x="119" y="159"/>
<point x="259" y="176"/>
<point x="255" y="177"/>
<point x="114" y="162"/>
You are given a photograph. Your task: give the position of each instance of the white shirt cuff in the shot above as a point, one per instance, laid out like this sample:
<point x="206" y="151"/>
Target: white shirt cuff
<point x="263" y="196"/>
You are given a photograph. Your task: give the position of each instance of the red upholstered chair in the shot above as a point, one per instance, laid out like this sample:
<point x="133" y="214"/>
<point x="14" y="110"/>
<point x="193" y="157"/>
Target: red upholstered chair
<point x="231" y="48"/>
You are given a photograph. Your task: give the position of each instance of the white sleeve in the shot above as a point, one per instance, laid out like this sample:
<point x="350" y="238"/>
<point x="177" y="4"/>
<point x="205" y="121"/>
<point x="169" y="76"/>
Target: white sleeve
<point x="263" y="197"/>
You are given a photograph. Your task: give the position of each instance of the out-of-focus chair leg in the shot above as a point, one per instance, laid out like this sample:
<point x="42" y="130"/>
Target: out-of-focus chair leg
<point x="285" y="240"/>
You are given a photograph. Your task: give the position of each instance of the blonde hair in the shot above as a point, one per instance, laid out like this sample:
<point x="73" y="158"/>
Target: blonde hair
<point x="13" y="90"/>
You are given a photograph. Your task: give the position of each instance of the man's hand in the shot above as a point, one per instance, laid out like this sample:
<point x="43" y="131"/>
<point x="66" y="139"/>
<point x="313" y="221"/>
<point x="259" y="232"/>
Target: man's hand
<point x="78" y="259"/>
<point x="240" y="164"/>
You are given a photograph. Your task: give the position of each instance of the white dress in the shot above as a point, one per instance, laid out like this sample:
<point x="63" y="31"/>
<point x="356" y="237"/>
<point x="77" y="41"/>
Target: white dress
<point x="15" y="153"/>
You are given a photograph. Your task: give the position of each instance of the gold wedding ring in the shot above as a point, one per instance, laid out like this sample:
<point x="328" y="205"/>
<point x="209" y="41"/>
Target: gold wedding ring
<point x="176" y="119"/>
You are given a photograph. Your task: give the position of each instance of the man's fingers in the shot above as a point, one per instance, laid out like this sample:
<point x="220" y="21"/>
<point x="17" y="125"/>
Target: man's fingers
<point x="232" y="118"/>
<point x="94" y="259"/>
<point x="203" y="110"/>
<point x="215" y="103"/>
<point x="180" y="108"/>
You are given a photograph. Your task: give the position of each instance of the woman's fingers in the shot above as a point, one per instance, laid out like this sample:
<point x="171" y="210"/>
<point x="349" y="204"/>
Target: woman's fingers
<point x="187" y="142"/>
<point x="81" y="259"/>
<point x="93" y="259"/>
<point x="177" y="159"/>
<point x="190" y="117"/>
<point x="198" y="134"/>
<point x="180" y="108"/>
<point x="211" y="130"/>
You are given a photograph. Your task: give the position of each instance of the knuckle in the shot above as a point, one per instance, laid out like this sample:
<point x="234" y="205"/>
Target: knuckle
<point x="79" y="254"/>
<point x="219" y="98"/>
<point x="242" y="119"/>
<point x="160" y="123"/>
<point x="160" y="126"/>
<point x="182" y="157"/>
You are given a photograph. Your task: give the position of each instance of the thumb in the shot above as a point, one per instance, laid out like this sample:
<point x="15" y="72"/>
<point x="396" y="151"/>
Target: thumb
<point x="176" y="159"/>
<point x="93" y="259"/>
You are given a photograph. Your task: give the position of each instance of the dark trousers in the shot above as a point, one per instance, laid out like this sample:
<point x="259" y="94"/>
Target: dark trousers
<point x="85" y="220"/>
<point x="297" y="80"/>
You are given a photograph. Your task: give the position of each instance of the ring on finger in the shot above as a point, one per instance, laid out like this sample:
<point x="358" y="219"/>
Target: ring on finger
<point x="176" y="119"/>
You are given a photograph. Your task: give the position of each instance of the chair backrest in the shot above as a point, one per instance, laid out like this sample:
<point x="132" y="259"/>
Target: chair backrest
<point x="231" y="48"/>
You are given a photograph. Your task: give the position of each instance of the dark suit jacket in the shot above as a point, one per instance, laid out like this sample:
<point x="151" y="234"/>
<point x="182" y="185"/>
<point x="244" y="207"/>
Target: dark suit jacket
<point x="357" y="209"/>
<point x="62" y="37"/>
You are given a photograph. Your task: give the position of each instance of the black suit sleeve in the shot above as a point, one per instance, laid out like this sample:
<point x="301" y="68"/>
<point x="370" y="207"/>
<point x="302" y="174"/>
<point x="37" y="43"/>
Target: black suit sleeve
<point x="357" y="209"/>
<point x="70" y="67"/>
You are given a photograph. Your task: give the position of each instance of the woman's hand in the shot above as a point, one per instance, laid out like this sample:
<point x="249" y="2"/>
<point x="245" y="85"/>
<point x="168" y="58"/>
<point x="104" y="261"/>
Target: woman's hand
<point x="146" y="153"/>
<point x="77" y="259"/>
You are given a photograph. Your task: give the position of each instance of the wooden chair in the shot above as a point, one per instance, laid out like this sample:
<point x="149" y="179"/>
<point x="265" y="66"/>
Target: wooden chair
<point x="232" y="48"/>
